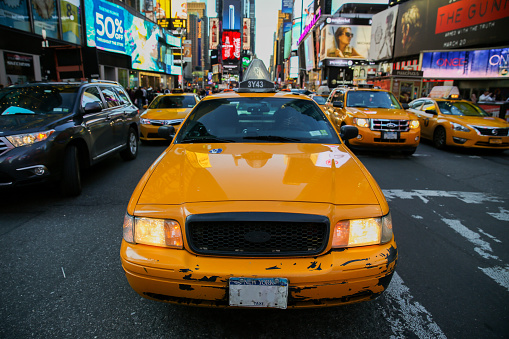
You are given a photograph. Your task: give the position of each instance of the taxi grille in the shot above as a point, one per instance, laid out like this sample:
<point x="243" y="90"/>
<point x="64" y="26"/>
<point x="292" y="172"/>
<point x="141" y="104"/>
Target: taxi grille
<point x="257" y="234"/>
<point x="390" y="125"/>
<point x="492" y="131"/>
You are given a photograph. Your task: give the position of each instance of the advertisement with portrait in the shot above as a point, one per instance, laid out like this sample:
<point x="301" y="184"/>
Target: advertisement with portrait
<point x="179" y="9"/>
<point x="44" y="13"/>
<point x="188" y="54"/>
<point x="246" y="34"/>
<point x="440" y="24"/>
<point x="469" y="64"/>
<point x="383" y="33"/>
<point x="14" y="14"/>
<point x="214" y="33"/>
<point x="70" y="15"/>
<point x="346" y="42"/>
<point x="231" y="46"/>
<point x="309" y="53"/>
<point x="148" y="8"/>
<point x="143" y="43"/>
<point x="231" y="15"/>
<point x="308" y="11"/>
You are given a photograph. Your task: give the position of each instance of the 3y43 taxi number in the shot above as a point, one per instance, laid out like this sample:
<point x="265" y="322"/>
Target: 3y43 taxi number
<point x="255" y="84"/>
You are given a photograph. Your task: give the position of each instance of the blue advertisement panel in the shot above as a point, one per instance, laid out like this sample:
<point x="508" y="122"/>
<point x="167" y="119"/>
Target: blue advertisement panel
<point x="112" y="28"/>
<point x="287" y="6"/>
<point x="15" y="14"/>
<point x="487" y="63"/>
<point x="45" y="17"/>
<point x="231" y="15"/>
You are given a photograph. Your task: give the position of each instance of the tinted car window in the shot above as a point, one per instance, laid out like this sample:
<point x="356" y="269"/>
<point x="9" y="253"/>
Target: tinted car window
<point x="372" y="99"/>
<point x="38" y="99"/>
<point x="91" y="94"/>
<point x="276" y="120"/>
<point x="461" y="108"/>
<point x="184" y="101"/>
<point x="416" y="104"/>
<point x="110" y="96"/>
<point x="124" y="99"/>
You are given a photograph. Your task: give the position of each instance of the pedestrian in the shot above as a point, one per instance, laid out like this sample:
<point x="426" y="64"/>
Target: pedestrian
<point x="138" y="97"/>
<point x="486" y="96"/>
<point x="473" y="98"/>
<point x="144" y="91"/>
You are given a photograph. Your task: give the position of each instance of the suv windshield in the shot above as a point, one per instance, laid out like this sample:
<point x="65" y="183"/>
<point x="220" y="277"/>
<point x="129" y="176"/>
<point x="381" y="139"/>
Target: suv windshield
<point x="41" y="99"/>
<point x="372" y="99"/>
<point x="181" y="101"/>
<point x="461" y="108"/>
<point x="257" y="120"/>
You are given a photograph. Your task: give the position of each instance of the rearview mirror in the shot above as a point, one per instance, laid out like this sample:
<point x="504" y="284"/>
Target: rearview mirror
<point x="348" y="132"/>
<point x="166" y="132"/>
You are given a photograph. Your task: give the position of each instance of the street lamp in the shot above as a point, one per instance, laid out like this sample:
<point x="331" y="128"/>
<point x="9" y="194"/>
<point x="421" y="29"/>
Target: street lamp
<point x="181" y="31"/>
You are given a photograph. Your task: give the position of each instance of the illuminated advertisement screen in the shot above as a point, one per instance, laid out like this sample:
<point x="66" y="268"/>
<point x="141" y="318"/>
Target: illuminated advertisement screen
<point x="382" y="34"/>
<point x="345" y="42"/>
<point x="485" y="63"/>
<point x="231" y="45"/>
<point x="294" y="67"/>
<point x="231" y="15"/>
<point x="179" y="9"/>
<point x="296" y="30"/>
<point x="111" y="28"/>
<point x="15" y="16"/>
<point x="71" y="23"/>
<point x="309" y="53"/>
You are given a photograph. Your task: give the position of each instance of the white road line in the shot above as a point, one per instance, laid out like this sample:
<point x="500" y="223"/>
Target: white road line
<point x="503" y="215"/>
<point x="425" y="195"/>
<point x="482" y="247"/>
<point x="499" y="274"/>
<point x="405" y="315"/>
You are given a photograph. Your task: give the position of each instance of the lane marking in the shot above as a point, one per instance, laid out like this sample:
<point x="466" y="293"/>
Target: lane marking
<point x="503" y="215"/>
<point x="499" y="274"/>
<point x="407" y="315"/>
<point x="425" y="195"/>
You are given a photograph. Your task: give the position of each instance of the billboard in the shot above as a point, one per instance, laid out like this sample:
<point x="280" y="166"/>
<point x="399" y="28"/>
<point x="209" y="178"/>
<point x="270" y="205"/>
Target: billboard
<point x="309" y="53"/>
<point x="188" y="54"/>
<point x="287" y="6"/>
<point x="345" y="42"/>
<point x="231" y="15"/>
<point x="439" y="24"/>
<point x="214" y="33"/>
<point x="15" y="16"/>
<point x="294" y="67"/>
<point x="382" y="34"/>
<point x="231" y="45"/>
<point x="485" y="63"/>
<point x="246" y="34"/>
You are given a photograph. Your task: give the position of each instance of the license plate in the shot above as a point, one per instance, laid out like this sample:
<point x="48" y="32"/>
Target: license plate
<point x="495" y="141"/>
<point x="259" y="292"/>
<point x="390" y="135"/>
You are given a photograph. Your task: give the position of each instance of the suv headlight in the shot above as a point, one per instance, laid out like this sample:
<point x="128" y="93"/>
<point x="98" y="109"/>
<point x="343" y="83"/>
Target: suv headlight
<point x="29" y="138"/>
<point x="150" y="231"/>
<point x="361" y="122"/>
<point x="362" y="232"/>
<point x="458" y="127"/>
<point x="414" y="124"/>
<point x="144" y="121"/>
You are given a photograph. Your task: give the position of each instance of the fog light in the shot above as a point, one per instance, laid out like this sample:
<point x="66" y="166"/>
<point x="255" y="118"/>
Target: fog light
<point x="359" y="137"/>
<point x="416" y="138"/>
<point x="459" y="140"/>
<point x="39" y="170"/>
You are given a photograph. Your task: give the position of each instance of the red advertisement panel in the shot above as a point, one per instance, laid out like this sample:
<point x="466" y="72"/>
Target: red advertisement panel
<point x="231" y="45"/>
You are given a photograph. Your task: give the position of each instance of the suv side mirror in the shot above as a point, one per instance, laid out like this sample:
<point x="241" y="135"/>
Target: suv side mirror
<point x="405" y="106"/>
<point x="93" y="107"/>
<point x="167" y="132"/>
<point x="348" y="132"/>
<point x="338" y="104"/>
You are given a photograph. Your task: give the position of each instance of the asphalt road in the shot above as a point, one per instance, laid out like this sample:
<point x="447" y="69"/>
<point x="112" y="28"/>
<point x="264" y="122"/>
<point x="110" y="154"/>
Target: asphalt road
<point x="61" y="276"/>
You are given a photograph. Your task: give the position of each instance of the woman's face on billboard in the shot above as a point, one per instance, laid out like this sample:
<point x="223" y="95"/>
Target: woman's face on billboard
<point x="346" y="37"/>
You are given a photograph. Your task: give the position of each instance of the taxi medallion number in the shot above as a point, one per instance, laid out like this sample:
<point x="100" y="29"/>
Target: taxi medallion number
<point x="259" y="292"/>
<point x="495" y="141"/>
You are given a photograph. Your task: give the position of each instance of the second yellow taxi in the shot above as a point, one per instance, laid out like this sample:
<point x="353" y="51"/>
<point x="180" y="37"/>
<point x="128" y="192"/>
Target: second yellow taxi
<point x="164" y="110"/>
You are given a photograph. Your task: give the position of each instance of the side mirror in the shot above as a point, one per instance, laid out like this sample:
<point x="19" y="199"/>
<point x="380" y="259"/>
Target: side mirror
<point x="405" y="106"/>
<point x="93" y="107"/>
<point x="431" y="111"/>
<point x="166" y="132"/>
<point x="348" y="132"/>
<point x="338" y="104"/>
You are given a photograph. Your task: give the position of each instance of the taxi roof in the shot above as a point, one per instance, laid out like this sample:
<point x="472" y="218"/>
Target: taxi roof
<point x="280" y="94"/>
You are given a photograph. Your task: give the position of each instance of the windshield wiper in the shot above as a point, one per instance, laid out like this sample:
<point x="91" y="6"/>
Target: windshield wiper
<point x="206" y="139"/>
<point x="272" y="138"/>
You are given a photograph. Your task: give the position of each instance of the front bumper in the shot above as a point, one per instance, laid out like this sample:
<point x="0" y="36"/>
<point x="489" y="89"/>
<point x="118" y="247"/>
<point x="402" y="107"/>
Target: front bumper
<point x="369" y="139"/>
<point x="335" y="278"/>
<point x="474" y="140"/>
<point x="149" y="132"/>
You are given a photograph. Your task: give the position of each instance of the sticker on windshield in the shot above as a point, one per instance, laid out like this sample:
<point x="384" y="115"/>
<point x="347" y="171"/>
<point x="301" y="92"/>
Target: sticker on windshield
<point x="17" y="110"/>
<point x="216" y="151"/>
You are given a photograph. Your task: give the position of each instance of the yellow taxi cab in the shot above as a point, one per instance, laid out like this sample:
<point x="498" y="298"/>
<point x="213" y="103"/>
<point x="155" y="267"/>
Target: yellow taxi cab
<point x="258" y="207"/>
<point x="448" y="121"/>
<point x="382" y="121"/>
<point x="320" y="100"/>
<point x="164" y="110"/>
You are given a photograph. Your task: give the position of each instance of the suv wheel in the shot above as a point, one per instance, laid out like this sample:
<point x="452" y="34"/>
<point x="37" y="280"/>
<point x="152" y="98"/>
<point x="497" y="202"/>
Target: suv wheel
<point x="71" y="178"/>
<point x="131" y="151"/>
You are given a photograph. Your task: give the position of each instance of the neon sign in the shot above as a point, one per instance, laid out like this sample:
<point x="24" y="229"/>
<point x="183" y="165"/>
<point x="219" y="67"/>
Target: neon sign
<point x="310" y="25"/>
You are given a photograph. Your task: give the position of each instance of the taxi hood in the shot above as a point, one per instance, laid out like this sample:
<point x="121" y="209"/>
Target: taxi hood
<point x="479" y="121"/>
<point x="166" y="114"/>
<point x="381" y="113"/>
<point x="187" y="173"/>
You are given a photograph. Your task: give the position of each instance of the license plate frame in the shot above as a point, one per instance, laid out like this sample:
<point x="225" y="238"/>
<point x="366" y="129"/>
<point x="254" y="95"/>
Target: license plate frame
<point x="390" y="135"/>
<point x="495" y="141"/>
<point x="258" y="292"/>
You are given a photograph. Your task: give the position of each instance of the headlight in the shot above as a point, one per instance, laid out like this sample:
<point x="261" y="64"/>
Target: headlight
<point x="362" y="232"/>
<point x="458" y="127"/>
<point x="361" y="122"/>
<point x="414" y="124"/>
<point x="173" y="122"/>
<point x="29" y="138"/>
<point x="144" y="121"/>
<point x="155" y="232"/>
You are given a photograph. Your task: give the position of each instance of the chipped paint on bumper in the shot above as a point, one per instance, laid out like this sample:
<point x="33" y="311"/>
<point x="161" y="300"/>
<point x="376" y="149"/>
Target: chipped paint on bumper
<point x="335" y="278"/>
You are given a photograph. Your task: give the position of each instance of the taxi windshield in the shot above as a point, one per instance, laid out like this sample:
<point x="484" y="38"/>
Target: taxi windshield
<point x="461" y="108"/>
<point x="255" y="120"/>
<point x="173" y="101"/>
<point x="372" y="99"/>
<point x="41" y="99"/>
